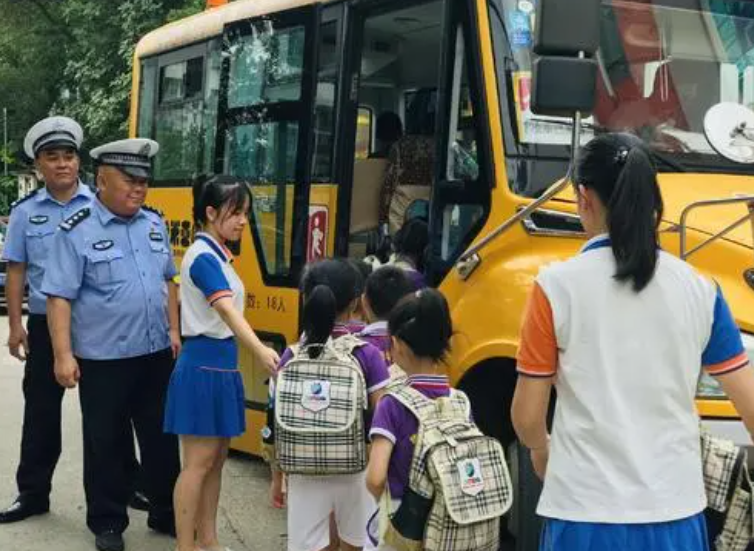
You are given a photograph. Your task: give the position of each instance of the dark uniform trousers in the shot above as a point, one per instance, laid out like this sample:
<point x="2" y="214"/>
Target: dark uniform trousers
<point x="43" y="397"/>
<point x="113" y="395"/>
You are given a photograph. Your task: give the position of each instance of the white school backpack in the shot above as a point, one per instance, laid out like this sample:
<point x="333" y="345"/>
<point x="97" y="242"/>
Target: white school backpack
<point x="319" y="410"/>
<point x="459" y="486"/>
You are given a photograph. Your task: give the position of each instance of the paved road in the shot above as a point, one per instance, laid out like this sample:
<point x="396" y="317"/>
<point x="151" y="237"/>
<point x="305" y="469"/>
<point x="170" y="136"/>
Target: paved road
<point x="247" y="523"/>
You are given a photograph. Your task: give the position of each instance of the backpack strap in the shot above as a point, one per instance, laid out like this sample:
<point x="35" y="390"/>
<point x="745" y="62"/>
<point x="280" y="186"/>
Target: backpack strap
<point x="347" y="343"/>
<point x="422" y="407"/>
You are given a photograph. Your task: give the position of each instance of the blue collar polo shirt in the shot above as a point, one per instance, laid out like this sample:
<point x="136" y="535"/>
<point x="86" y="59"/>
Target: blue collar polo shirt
<point x="33" y="221"/>
<point x="114" y="271"/>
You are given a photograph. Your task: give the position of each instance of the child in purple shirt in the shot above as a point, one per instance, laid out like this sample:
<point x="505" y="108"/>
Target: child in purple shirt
<point x="384" y="289"/>
<point x="330" y="295"/>
<point x="420" y="330"/>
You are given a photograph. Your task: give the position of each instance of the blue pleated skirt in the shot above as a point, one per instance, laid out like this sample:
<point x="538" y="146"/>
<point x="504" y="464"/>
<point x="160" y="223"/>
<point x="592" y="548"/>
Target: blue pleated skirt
<point x="689" y="534"/>
<point x="206" y="395"/>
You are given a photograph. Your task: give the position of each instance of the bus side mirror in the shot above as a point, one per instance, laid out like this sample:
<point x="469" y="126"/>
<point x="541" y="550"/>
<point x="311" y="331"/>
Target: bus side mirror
<point x="567" y="27"/>
<point x="563" y="85"/>
<point x="564" y="73"/>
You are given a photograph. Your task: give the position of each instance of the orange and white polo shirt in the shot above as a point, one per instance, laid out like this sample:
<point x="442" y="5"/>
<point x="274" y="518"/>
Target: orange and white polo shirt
<point x="625" y="439"/>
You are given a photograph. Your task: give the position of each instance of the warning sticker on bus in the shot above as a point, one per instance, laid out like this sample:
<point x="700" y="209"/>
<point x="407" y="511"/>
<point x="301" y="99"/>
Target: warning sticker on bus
<point x="317" y="234"/>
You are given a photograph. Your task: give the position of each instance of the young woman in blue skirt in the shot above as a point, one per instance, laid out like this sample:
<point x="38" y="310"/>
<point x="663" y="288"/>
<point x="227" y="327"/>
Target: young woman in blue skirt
<point x="205" y="403"/>
<point x="622" y="331"/>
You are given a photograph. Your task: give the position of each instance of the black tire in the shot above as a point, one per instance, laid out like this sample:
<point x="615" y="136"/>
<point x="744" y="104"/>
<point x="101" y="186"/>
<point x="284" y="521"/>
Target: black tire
<point x="523" y="523"/>
<point x="490" y="388"/>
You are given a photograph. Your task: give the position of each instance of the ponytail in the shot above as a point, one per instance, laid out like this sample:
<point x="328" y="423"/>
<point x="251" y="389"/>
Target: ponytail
<point x="619" y="169"/>
<point x="633" y="216"/>
<point x="319" y="315"/>
<point x="329" y="288"/>
<point x="422" y="321"/>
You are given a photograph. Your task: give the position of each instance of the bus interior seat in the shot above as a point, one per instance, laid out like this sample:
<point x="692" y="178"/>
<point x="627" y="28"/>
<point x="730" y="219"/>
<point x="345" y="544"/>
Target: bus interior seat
<point x="368" y="178"/>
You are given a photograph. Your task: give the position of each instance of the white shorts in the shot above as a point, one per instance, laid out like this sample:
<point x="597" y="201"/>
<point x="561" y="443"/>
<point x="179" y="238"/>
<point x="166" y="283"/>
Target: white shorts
<point x="311" y="499"/>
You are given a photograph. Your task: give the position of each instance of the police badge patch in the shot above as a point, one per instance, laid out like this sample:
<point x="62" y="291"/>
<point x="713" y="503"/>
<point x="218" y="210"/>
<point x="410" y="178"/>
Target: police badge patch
<point x="103" y="245"/>
<point x="38" y="220"/>
<point x="155" y="236"/>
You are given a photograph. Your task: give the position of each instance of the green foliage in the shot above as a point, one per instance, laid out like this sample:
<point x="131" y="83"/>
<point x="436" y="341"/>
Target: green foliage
<point x="74" y="57"/>
<point x="8" y="193"/>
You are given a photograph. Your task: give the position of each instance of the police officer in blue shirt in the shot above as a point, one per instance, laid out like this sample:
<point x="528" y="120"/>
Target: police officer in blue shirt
<point x="113" y="314"/>
<point x="54" y="145"/>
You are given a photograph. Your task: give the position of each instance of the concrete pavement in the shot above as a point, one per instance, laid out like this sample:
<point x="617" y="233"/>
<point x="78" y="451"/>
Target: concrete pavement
<point x="247" y="522"/>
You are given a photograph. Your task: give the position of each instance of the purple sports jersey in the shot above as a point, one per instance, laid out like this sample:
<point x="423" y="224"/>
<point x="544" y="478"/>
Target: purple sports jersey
<point x="392" y="420"/>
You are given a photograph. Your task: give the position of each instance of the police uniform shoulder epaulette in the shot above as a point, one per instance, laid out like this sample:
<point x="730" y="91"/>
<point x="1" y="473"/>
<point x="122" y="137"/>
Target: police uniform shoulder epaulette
<point x="23" y="199"/>
<point x="154" y="210"/>
<point x="75" y="219"/>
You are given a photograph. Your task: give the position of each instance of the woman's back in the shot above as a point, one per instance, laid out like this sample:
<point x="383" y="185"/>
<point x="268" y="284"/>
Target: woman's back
<point x="625" y="446"/>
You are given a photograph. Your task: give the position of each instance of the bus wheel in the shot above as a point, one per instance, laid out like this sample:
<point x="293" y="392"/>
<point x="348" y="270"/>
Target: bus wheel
<point x="490" y="385"/>
<point x="523" y="524"/>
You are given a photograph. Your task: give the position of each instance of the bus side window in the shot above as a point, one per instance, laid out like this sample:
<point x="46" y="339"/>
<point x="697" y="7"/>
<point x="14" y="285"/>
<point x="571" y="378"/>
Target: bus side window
<point x="364" y="132"/>
<point x="178" y="104"/>
<point x="458" y="219"/>
<point x="262" y="137"/>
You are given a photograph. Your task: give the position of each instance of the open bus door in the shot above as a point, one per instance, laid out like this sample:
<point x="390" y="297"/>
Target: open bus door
<point x="264" y="138"/>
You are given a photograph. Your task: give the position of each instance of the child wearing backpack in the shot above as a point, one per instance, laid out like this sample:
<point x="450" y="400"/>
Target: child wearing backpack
<point x="384" y="289"/>
<point x="324" y="387"/>
<point x="433" y="496"/>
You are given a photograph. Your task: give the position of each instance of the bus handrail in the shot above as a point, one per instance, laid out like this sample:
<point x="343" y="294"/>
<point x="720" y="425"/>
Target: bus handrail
<point x="682" y="227"/>
<point x="469" y="260"/>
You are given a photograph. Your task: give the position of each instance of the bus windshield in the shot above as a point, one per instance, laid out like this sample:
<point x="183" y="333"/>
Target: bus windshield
<point x="662" y="65"/>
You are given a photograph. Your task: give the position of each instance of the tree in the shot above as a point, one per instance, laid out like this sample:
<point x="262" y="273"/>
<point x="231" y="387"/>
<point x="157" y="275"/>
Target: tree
<point x="31" y="65"/>
<point x="73" y="57"/>
<point x="97" y="73"/>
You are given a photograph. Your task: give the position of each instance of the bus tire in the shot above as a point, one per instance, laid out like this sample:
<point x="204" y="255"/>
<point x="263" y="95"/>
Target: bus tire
<point x="489" y="386"/>
<point x="523" y="523"/>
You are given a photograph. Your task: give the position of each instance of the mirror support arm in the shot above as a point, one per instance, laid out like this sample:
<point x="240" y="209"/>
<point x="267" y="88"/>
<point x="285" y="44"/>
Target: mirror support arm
<point x="470" y="259"/>
<point x="748" y="199"/>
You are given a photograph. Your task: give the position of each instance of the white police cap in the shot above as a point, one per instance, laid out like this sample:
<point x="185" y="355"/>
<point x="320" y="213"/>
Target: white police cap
<point x="132" y="156"/>
<point x="51" y="133"/>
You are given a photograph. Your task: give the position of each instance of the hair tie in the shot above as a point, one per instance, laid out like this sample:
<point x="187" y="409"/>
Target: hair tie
<point x="621" y="155"/>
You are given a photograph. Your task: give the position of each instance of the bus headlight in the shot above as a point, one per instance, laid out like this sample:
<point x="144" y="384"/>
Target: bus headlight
<point x="708" y="387"/>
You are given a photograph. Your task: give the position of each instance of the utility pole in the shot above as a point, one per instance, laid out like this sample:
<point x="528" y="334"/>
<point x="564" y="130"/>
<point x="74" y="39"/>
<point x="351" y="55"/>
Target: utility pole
<point x="5" y="141"/>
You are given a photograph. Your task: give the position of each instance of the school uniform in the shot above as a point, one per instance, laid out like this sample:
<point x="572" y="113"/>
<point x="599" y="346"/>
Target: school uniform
<point x="625" y="463"/>
<point x="394" y="421"/>
<point x="377" y="335"/>
<point x="311" y="499"/>
<point x="206" y="395"/>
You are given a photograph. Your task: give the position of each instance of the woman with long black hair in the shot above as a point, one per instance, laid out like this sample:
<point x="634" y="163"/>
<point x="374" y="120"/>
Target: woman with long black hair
<point x="622" y="331"/>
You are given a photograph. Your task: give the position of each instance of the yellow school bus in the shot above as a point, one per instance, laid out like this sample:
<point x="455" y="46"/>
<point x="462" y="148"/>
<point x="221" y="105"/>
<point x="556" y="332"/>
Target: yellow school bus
<point x="285" y="93"/>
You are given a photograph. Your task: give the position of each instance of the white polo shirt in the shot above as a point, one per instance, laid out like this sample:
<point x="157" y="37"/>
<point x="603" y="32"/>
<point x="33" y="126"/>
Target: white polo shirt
<point x="207" y="275"/>
<point x="625" y="439"/>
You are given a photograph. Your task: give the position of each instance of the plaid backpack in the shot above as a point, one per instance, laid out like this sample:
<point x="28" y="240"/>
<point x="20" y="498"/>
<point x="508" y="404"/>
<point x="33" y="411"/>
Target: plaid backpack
<point x="319" y="411"/>
<point x="459" y="485"/>
<point x="729" y="513"/>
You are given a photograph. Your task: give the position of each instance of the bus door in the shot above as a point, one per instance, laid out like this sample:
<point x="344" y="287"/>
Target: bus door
<point x="391" y="70"/>
<point x="267" y="130"/>
<point x="463" y="175"/>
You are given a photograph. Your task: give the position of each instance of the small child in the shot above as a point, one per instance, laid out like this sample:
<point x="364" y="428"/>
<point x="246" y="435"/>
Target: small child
<point x="420" y="330"/>
<point x="353" y="325"/>
<point x="410" y="247"/>
<point x="383" y="291"/>
<point x="329" y="289"/>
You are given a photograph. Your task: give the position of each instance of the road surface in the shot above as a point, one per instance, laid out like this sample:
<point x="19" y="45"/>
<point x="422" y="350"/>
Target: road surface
<point x="247" y="522"/>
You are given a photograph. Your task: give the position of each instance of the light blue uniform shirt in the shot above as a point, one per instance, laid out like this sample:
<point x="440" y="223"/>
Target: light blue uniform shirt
<point x="115" y="272"/>
<point x="32" y="225"/>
